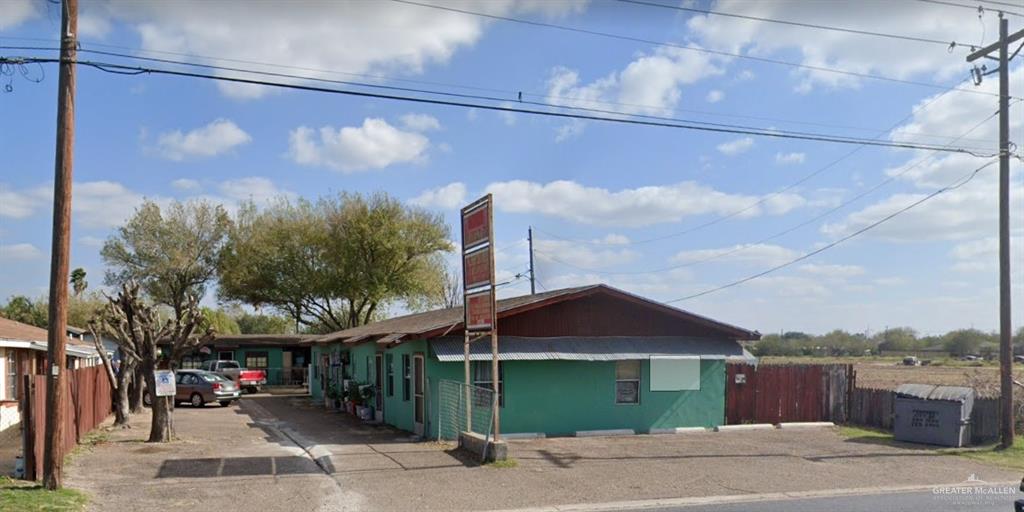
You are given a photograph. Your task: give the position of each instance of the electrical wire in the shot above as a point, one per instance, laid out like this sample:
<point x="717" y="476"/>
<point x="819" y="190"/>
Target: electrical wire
<point x="971" y="7"/>
<point x="448" y="94"/>
<point x="790" y="23"/>
<point x="689" y="48"/>
<point x="742" y="247"/>
<point x="768" y="197"/>
<point x="963" y="181"/>
<point x="120" y="68"/>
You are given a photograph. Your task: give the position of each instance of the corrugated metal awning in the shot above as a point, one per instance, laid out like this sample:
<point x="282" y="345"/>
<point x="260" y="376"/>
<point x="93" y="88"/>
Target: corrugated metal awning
<point x="572" y="348"/>
<point x="932" y="392"/>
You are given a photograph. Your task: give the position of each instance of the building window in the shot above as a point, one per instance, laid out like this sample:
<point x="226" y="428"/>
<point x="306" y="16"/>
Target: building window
<point x="482" y="378"/>
<point x="627" y="382"/>
<point x="406" y="376"/>
<point x="191" y="362"/>
<point x="11" y="381"/>
<point x="255" y="359"/>
<point x="225" y="355"/>
<point x="389" y="361"/>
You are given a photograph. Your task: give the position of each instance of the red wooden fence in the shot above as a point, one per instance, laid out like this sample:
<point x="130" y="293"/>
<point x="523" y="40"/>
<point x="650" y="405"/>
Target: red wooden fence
<point x="780" y="393"/>
<point x="87" y="402"/>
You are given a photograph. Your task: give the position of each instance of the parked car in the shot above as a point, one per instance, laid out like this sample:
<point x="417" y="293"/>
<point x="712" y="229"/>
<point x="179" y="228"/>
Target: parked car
<point x="1018" y="359"/>
<point x="911" y="361"/>
<point x="970" y="358"/>
<point x="249" y="380"/>
<point x="198" y="387"/>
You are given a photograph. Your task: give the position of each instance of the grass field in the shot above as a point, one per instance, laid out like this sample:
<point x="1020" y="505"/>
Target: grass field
<point x="888" y="373"/>
<point x="1012" y="458"/>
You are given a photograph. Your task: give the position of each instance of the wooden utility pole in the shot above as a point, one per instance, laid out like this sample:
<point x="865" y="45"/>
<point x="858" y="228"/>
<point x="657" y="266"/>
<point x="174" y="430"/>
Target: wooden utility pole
<point x="1005" y="316"/>
<point x="53" y="456"/>
<point x="533" y="279"/>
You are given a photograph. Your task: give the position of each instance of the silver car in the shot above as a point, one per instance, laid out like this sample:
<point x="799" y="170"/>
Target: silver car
<point x="198" y="387"/>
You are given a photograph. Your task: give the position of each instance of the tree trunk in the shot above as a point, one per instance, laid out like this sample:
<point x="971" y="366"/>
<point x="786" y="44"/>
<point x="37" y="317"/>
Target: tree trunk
<point x="121" y="410"/>
<point x="135" y="398"/>
<point x="160" y="429"/>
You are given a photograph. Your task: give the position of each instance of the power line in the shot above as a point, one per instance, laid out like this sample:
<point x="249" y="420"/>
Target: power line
<point x="123" y="69"/>
<point x="965" y="6"/>
<point x="690" y="48"/>
<point x="830" y="245"/>
<point x="792" y="23"/>
<point x="742" y="247"/>
<point x="766" y="198"/>
<point x="513" y="94"/>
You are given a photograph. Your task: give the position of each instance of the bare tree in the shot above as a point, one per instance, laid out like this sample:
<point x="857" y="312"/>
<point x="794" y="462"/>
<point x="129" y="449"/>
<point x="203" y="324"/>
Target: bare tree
<point x="451" y="288"/>
<point x="140" y="332"/>
<point x="104" y="324"/>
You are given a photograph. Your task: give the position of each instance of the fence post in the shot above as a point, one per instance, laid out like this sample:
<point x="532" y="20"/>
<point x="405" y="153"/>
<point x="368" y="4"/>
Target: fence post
<point x="28" y="428"/>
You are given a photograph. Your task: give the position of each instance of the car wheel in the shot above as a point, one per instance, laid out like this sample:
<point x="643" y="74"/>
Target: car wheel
<point x="225" y="403"/>
<point x="197" y="400"/>
<point x="147" y="400"/>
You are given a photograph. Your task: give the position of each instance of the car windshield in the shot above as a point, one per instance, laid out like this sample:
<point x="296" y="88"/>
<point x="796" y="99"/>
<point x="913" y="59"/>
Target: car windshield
<point x="228" y="365"/>
<point x="213" y="377"/>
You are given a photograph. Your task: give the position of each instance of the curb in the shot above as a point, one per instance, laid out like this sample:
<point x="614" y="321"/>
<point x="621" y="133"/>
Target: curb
<point x="732" y="498"/>
<point x="748" y="426"/>
<point x="601" y="433"/>
<point x="523" y="435"/>
<point x="807" y="424"/>
<point x="677" y="430"/>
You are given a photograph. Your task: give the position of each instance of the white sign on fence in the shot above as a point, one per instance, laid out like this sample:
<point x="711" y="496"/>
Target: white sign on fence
<point x="164" y="382"/>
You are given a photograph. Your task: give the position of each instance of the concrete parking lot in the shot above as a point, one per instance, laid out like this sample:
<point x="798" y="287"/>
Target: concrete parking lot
<point x="285" y="453"/>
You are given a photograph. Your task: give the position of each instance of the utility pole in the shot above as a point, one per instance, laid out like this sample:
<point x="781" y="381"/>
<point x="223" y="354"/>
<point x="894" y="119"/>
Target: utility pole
<point x="1005" y="317"/>
<point x="60" y="249"/>
<point x="533" y="280"/>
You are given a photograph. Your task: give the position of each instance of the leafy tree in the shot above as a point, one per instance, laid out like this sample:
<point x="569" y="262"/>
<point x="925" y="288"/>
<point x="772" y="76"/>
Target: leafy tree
<point x="264" y="324"/>
<point x="22" y="309"/>
<point x="336" y="263"/>
<point x="842" y="343"/>
<point x="962" y="342"/>
<point x="81" y="308"/>
<point x="78" y="282"/>
<point x="172" y="254"/>
<point x="219" y="322"/>
<point x="899" y="338"/>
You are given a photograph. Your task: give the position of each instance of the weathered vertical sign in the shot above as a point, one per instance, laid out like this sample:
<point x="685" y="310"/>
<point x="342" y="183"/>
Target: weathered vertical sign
<point x="478" y="265"/>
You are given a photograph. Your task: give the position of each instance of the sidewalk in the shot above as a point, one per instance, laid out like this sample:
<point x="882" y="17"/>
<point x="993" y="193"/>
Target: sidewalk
<point x="221" y="460"/>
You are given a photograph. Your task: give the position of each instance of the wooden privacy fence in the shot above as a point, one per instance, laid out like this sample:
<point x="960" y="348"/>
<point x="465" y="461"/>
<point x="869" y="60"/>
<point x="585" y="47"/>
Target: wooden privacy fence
<point x="874" y="408"/>
<point x="781" y="393"/>
<point x="87" y="402"/>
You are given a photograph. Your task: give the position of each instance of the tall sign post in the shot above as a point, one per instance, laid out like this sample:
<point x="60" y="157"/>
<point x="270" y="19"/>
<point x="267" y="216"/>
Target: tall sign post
<point x="478" y="293"/>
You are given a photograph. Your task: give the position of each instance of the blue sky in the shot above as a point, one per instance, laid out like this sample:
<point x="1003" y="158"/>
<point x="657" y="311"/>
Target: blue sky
<point x="594" y="192"/>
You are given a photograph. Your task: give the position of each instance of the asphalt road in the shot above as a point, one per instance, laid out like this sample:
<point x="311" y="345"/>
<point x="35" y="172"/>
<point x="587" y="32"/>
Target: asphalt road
<point x="890" y="502"/>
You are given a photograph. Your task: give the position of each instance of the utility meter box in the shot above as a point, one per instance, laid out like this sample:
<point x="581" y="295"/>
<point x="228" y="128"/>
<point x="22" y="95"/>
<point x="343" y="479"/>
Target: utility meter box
<point x="928" y="414"/>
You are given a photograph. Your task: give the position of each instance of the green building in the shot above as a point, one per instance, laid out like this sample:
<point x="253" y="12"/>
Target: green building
<point x="284" y="357"/>
<point x="571" y="360"/>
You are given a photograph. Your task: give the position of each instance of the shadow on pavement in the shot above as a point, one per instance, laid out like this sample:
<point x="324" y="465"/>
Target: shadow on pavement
<point x="237" y="466"/>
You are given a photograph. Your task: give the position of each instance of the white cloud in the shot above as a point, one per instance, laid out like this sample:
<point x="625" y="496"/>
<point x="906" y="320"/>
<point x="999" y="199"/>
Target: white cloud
<point x="16" y="12"/>
<point x="93" y="26"/>
<point x="759" y="254"/>
<point x="890" y="281"/>
<point x="91" y="241"/>
<point x="326" y="36"/>
<point x="448" y="197"/>
<point x="19" y="252"/>
<point x="374" y="145"/>
<point x="185" y="184"/>
<point x="420" y="122"/>
<point x="220" y="136"/>
<point x="735" y="147"/>
<point x="633" y="207"/>
<point x="832" y="271"/>
<point x="257" y="189"/>
<point x="846" y="51"/>
<point x="17" y="204"/>
<point x="582" y="255"/>
<point x="714" y="96"/>
<point x="790" y="158"/>
<point x="570" y="130"/>
<point x="650" y="84"/>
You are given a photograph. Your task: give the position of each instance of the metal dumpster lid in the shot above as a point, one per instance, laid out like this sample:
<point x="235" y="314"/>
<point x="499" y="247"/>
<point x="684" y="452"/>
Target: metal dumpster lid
<point x="932" y="392"/>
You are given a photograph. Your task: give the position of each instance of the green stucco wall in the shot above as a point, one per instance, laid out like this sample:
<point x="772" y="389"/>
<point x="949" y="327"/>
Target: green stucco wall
<point x="561" y="397"/>
<point x="397" y="411"/>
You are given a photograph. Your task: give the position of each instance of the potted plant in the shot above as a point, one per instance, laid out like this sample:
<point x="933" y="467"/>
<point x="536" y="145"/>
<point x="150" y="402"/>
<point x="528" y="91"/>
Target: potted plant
<point x="354" y="398"/>
<point x="334" y="394"/>
<point x="366" y="393"/>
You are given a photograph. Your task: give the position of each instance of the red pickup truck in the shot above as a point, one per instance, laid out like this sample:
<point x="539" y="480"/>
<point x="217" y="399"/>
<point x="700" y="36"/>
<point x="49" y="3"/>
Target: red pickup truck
<point x="249" y="380"/>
